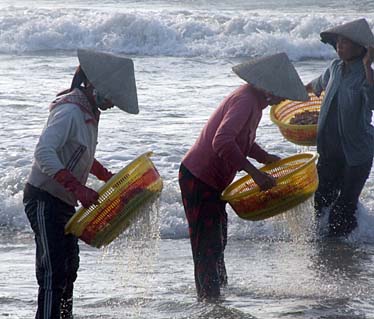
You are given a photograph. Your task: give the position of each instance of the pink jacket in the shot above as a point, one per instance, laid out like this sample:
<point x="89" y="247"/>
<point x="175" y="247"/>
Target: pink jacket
<point x="227" y="139"/>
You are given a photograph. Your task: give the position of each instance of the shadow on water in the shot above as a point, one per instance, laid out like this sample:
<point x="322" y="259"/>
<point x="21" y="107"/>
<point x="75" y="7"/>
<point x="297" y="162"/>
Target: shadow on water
<point x="342" y="268"/>
<point x="296" y="274"/>
<point x="218" y="311"/>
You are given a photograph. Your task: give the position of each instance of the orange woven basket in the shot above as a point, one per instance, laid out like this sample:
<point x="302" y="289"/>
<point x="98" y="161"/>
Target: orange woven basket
<point x="120" y="200"/>
<point x="282" y="113"/>
<point x="297" y="180"/>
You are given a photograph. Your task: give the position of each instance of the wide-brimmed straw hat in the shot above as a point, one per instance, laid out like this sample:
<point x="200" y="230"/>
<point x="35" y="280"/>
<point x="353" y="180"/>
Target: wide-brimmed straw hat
<point x="113" y="76"/>
<point x="357" y="31"/>
<point x="274" y="74"/>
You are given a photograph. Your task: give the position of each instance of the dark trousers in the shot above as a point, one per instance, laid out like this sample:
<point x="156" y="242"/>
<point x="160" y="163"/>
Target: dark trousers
<point x="57" y="254"/>
<point x="207" y="221"/>
<point x="340" y="186"/>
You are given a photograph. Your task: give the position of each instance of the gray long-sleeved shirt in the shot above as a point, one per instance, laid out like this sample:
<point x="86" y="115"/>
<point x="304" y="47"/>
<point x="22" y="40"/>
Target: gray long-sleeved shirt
<point x="68" y="141"/>
<point x="355" y="104"/>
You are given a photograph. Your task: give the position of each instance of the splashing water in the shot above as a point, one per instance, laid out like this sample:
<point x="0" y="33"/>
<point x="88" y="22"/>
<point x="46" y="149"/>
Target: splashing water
<point x="134" y="254"/>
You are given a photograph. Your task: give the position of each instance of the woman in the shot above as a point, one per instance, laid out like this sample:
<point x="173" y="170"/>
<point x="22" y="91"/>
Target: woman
<point x="64" y="156"/>
<point x="345" y="136"/>
<point x="220" y="151"/>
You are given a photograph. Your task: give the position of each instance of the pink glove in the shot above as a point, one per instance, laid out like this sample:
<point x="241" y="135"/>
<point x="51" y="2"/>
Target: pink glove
<point x="85" y="195"/>
<point x="100" y="171"/>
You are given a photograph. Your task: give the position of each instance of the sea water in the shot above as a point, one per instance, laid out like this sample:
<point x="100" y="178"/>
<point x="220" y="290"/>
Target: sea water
<point x="183" y="54"/>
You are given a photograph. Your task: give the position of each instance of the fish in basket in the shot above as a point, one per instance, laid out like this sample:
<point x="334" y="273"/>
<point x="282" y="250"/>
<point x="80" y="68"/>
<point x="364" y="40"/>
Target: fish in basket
<point x="297" y="120"/>
<point x="121" y="198"/>
<point x="297" y="180"/>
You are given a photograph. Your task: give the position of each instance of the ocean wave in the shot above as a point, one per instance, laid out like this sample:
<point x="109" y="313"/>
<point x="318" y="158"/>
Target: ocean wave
<point x="296" y="224"/>
<point x="166" y="33"/>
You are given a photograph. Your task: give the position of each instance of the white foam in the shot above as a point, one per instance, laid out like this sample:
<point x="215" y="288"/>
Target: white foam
<point x="166" y="33"/>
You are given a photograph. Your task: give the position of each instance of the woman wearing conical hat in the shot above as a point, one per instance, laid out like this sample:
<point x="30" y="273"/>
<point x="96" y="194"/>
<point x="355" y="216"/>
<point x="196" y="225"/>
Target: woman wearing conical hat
<point x="64" y="157"/>
<point x="220" y="151"/>
<point x="345" y="139"/>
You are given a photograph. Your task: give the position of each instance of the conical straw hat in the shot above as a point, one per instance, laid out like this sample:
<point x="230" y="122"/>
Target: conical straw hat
<point x="357" y="31"/>
<point x="113" y="76"/>
<point x="274" y="74"/>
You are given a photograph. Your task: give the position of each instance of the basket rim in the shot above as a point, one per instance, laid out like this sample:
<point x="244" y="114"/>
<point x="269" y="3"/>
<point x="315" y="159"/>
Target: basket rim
<point x="106" y="186"/>
<point x="285" y="125"/>
<point x="312" y="157"/>
<point x="274" y="107"/>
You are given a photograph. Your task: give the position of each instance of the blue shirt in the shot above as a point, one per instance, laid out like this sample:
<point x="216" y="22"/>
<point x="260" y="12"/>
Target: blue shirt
<point x="330" y="146"/>
<point x="354" y="99"/>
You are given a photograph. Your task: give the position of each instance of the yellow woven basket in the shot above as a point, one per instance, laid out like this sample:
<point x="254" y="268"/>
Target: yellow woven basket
<point x="282" y="113"/>
<point x="297" y="180"/>
<point x="121" y="198"/>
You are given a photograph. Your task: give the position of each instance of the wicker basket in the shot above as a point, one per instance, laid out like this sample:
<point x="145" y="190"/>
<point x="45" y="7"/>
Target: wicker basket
<point x="297" y="180"/>
<point x="282" y="113"/>
<point x="120" y="200"/>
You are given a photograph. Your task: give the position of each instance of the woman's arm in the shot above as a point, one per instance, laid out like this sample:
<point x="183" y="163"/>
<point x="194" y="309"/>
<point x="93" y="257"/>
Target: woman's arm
<point x="224" y="143"/>
<point x="368" y="60"/>
<point x="368" y="87"/>
<point x="54" y="136"/>
<point x="319" y="84"/>
<point x="262" y="179"/>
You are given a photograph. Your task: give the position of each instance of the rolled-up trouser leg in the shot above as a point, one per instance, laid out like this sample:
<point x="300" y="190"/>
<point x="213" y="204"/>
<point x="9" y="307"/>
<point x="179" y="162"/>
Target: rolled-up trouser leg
<point x="66" y="308"/>
<point x="330" y="174"/>
<point x="221" y="261"/>
<point x="342" y="218"/>
<point x="72" y="264"/>
<point x="207" y="222"/>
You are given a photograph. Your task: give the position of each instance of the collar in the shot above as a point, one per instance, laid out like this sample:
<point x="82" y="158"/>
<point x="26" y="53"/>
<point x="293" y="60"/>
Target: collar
<point x="262" y="103"/>
<point x="78" y="98"/>
<point x="352" y="67"/>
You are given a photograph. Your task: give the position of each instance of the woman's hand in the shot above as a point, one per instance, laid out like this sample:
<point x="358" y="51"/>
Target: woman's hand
<point x="263" y="180"/>
<point x="309" y="87"/>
